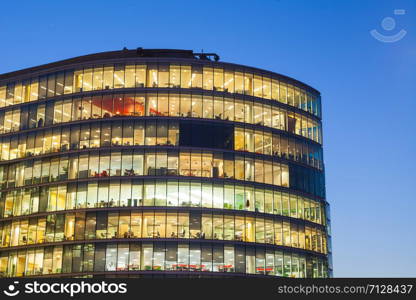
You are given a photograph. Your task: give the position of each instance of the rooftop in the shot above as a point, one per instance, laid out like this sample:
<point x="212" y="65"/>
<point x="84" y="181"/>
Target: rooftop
<point x="125" y="53"/>
<point x="137" y="53"/>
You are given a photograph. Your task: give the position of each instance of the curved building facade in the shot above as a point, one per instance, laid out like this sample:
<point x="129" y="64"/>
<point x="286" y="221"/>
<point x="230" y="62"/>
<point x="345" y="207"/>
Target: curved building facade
<point x="139" y="163"/>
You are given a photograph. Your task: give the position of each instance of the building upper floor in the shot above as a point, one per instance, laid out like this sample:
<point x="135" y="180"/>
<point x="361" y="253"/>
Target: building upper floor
<point x="150" y="69"/>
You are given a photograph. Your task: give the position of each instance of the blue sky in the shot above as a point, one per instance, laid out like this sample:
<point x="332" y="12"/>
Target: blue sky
<point x="368" y="89"/>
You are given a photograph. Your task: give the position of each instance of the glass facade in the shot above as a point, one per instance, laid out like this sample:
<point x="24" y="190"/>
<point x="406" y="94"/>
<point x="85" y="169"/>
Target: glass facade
<point x="225" y="79"/>
<point x="161" y="165"/>
<point x="100" y="134"/>
<point x="160" y="192"/>
<point x="200" y="106"/>
<point x="135" y="224"/>
<point x="156" y="257"/>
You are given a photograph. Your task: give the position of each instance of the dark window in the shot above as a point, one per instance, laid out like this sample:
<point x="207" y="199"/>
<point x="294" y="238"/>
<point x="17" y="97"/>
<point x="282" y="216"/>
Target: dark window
<point x="24" y="114"/>
<point x="67" y="259"/>
<point x="240" y="262"/>
<point x="43" y="201"/>
<point x="33" y="116"/>
<point x="42" y="87"/>
<point x="75" y="136"/>
<point x="2" y="120"/>
<point x="291" y="124"/>
<point x="10" y="93"/>
<point x="77" y="258"/>
<point x="307" y="180"/>
<point x="195" y="134"/>
<point x="49" y="113"/>
<point x="99" y="258"/>
<point x="195" y="225"/>
<point x="101" y="224"/>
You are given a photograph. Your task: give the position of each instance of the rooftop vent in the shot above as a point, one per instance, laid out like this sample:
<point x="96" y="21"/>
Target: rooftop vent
<point x="176" y="53"/>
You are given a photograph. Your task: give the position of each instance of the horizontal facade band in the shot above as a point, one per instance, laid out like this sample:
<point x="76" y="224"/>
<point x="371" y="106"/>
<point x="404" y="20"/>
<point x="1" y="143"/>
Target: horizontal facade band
<point x="167" y="209"/>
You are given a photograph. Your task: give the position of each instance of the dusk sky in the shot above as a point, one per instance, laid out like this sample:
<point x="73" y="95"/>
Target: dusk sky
<point x="368" y="90"/>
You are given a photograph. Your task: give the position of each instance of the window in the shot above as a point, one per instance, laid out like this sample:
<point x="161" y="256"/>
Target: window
<point x="116" y="138"/>
<point x="118" y="105"/>
<point x="229" y="109"/>
<point x="248" y="84"/>
<point x="185" y="110"/>
<point x="228" y="228"/>
<point x="97" y="79"/>
<point x="118" y="76"/>
<point x="173" y="134"/>
<point x="108" y="77"/>
<point x="163" y="105"/>
<point x="290" y="95"/>
<point x="123" y="230"/>
<point x="218" y="79"/>
<point x="208" y="76"/>
<point x="152" y="78"/>
<point x="229" y="81"/>
<point x="207" y="107"/>
<point x="186" y="76"/>
<point x="130" y="76"/>
<point x="160" y="193"/>
<point x="163" y="76"/>
<point x="283" y="93"/>
<point x="218" y="258"/>
<point x="136" y="224"/>
<point x="87" y="80"/>
<point x="207" y="229"/>
<point x="174" y="76"/>
<point x="239" y="139"/>
<point x="125" y="194"/>
<point x="138" y="160"/>
<point x="268" y="231"/>
<point x="229" y="197"/>
<point x="266" y="88"/>
<point x="158" y="257"/>
<point x="111" y="257"/>
<point x="196" y="77"/>
<point x="217" y="224"/>
<point x="249" y="231"/>
<point x="69" y="79"/>
<point x="2" y="96"/>
<point x="139" y="105"/>
<point x="132" y="136"/>
<point x="183" y="225"/>
<point x="140" y="75"/>
<point x="260" y="262"/>
<point x="151" y="105"/>
<point x="174" y="105"/>
<point x="286" y="234"/>
<point x="196" y="106"/>
<point x="258" y="86"/>
<point x="194" y="257"/>
<point x="77" y="82"/>
<point x="218" y="108"/>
